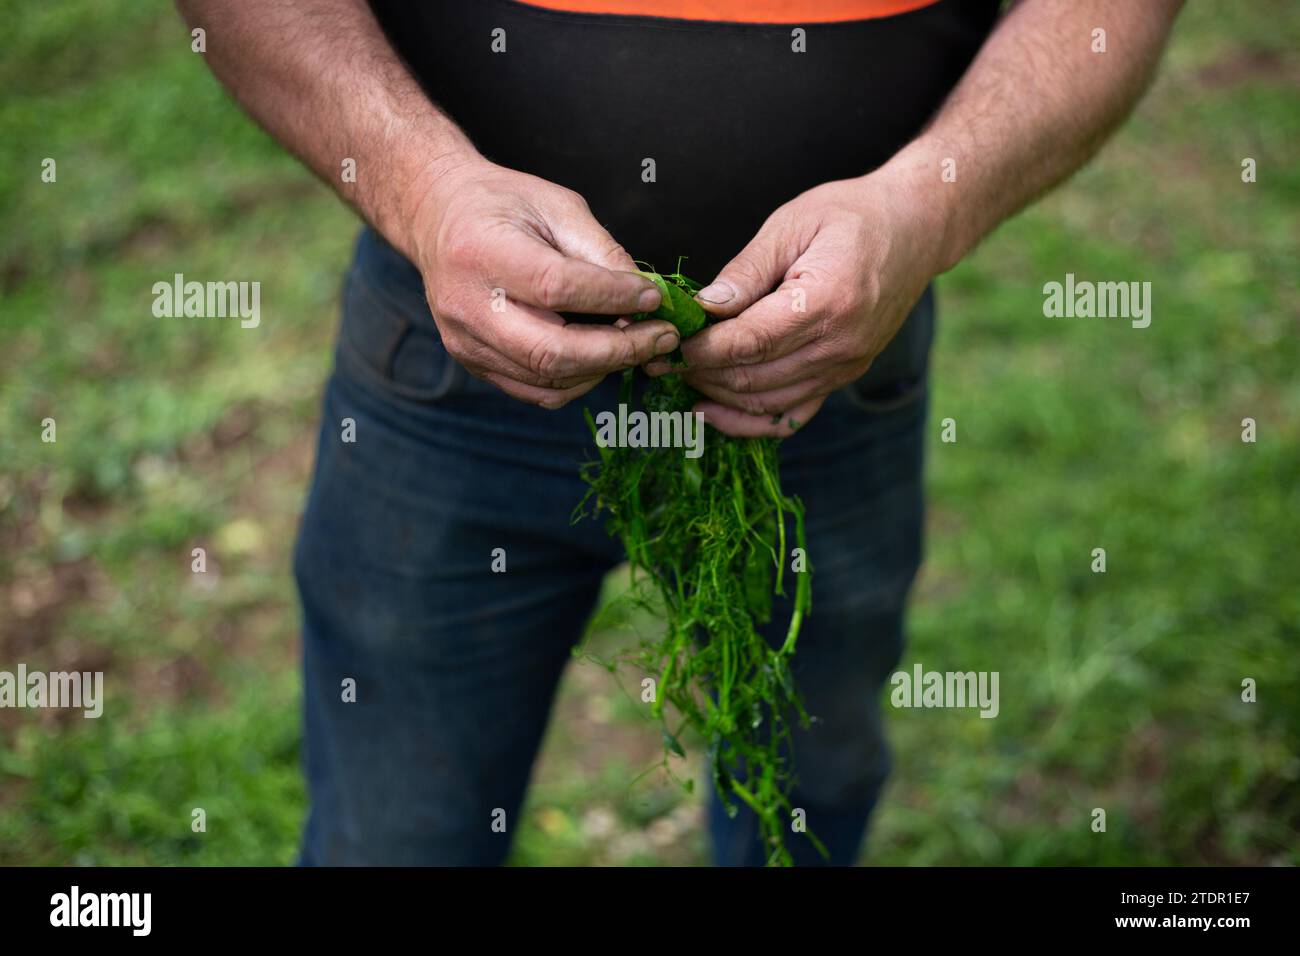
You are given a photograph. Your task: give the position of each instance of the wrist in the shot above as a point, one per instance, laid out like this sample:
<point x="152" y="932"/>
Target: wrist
<point x="427" y="188"/>
<point x="923" y="185"/>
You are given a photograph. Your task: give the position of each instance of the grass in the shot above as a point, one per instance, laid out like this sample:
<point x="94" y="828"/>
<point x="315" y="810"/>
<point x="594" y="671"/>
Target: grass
<point x="1121" y="690"/>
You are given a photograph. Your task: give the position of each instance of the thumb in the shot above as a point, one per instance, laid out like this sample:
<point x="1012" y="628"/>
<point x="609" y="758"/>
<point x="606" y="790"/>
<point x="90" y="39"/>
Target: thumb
<point x="577" y="235"/>
<point x="755" y="272"/>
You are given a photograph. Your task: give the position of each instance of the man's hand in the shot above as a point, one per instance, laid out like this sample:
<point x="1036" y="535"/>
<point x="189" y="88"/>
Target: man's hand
<point x="501" y="253"/>
<point x="481" y="235"/>
<point x="1038" y="101"/>
<point x="849" y="260"/>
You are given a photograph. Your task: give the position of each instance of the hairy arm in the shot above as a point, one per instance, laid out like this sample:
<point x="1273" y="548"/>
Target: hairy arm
<point x="1034" y="105"/>
<point x="322" y="78"/>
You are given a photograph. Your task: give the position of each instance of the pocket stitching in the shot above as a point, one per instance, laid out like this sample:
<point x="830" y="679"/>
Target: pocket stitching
<point x="360" y="284"/>
<point x="911" y="394"/>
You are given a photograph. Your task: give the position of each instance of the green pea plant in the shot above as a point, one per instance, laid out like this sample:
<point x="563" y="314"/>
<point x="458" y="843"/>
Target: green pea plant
<point x="706" y="541"/>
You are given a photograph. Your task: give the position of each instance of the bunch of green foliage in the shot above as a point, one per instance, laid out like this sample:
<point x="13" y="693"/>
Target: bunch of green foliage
<point x="706" y="539"/>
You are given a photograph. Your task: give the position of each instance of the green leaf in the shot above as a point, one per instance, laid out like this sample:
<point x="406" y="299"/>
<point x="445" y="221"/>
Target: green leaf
<point x="672" y="744"/>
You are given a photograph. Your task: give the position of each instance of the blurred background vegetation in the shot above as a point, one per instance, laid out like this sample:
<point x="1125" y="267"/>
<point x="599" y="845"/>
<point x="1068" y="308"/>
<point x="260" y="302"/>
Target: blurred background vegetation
<point x="1119" y="691"/>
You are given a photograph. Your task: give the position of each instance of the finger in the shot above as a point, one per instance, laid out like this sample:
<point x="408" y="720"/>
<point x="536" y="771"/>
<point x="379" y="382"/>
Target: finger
<point x="811" y="361"/>
<point x="480" y="359"/>
<point x="739" y="425"/>
<point x="769" y="403"/>
<point x="549" y="398"/>
<point x="540" y="342"/>
<point x="776" y="325"/>
<point x="754" y="272"/>
<point x="535" y="273"/>
<point x="576" y="233"/>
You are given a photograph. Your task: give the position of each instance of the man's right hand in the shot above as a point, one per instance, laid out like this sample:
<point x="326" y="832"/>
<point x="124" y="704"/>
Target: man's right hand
<point x="503" y="252"/>
<point x="478" y="233"/>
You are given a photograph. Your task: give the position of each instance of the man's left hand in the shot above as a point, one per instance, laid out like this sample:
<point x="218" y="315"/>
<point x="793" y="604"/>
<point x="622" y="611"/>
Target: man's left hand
<point x="848" y="260"/>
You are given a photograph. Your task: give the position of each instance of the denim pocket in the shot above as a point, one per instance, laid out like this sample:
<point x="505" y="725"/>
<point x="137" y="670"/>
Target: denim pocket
<point x="899" y="375"/>
<point x="888" y="397"/>
<point x="388" y="339"/>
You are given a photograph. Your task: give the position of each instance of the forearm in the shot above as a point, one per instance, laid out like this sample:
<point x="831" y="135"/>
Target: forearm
<point x="321" y="77"/>
<point x="1034" y="106"/>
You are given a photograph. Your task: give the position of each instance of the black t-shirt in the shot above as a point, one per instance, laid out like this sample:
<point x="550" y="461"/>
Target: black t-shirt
<point x="736" y="121"/>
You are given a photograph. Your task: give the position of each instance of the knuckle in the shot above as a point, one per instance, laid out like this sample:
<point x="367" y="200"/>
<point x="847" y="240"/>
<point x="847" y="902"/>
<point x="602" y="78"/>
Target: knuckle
<point x="553" y="287"/>
<point x="612" y="251"/>
<point x="573" y="198"/>
<point x="749" y="344"/>
<point x="458" y="349"/>
<point x="479" y="360"/>
<point x="826" y="338"/>
<point x="546" y="359"/>
<point x="833" y="346"/>
<point x="869" y="295"/>
<point x="738" y="379"/>
<point x="633" y="349"/>
<point x="444" y="308"/>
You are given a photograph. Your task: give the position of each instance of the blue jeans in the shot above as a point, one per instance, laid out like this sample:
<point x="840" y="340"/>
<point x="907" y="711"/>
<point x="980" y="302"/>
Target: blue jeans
<point x="455" y="666"/>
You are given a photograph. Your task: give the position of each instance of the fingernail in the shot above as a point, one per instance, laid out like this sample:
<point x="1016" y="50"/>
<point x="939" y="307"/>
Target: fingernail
<point x="716" y="294"/>
<point x="648" y="300"/>
<point x="665" y="343"/>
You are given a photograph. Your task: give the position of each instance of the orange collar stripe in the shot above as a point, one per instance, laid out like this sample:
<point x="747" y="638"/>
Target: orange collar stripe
<point x="741" y="11"/>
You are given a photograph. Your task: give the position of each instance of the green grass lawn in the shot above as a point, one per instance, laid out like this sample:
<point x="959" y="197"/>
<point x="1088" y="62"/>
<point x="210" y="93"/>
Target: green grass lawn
<point x="1120" y="691"/>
